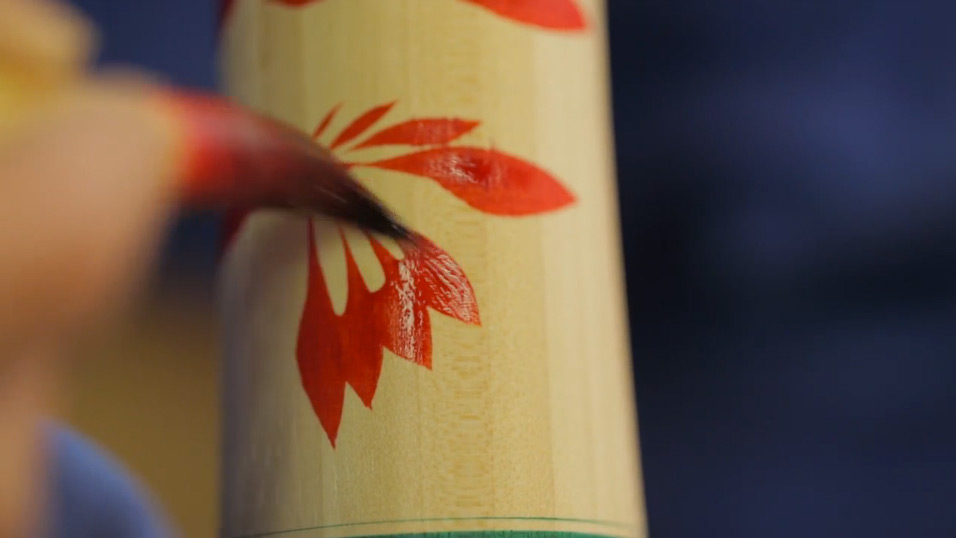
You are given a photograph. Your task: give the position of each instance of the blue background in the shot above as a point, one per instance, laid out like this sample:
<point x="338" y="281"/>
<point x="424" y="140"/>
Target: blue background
<point x="789" y="215"/>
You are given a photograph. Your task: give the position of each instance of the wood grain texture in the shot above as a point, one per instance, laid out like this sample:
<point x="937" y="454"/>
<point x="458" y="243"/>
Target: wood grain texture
<point x="524" y="422"/>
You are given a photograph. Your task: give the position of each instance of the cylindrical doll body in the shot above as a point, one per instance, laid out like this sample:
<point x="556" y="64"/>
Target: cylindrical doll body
<point x="477" y="383"/>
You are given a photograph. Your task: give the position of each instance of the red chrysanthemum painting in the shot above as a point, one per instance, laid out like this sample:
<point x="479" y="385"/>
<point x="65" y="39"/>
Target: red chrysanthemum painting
<point x="549" y="14"/>
<point x="339" y="349"/>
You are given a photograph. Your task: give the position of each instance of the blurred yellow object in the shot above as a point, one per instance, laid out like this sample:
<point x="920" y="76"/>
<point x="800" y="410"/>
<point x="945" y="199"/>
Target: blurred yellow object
<point x="44" y="47"/>
<point x="148" y="392"/>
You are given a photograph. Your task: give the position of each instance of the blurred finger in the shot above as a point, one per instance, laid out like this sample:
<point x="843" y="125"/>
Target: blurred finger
<point x="84" y="197"/>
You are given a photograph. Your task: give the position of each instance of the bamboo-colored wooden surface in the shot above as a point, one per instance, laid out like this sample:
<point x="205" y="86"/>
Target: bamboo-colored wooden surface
<point x="524" y="422"/>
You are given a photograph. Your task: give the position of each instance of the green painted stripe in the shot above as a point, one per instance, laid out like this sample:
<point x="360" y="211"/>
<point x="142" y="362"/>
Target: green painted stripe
<point x="465" y="534"/>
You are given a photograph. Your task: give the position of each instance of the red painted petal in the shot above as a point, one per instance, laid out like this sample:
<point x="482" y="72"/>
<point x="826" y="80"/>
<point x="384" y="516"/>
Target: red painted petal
<point x="427" y="277"/>
<point x="361" y="124"/>
<point x="324" y="384"/>
<point x="487" y="180"/>
<point x="359" y="331"/>
<point x="335" y="350"/>
<point x="407" y="327"/>
<point x="442" y="282"/>
<point x="551" y="14"/>
<point x="403" y="310"/>
<point x="317" y="356"/>
<point x="324" y="124"/>
<point x="422" y="132"/>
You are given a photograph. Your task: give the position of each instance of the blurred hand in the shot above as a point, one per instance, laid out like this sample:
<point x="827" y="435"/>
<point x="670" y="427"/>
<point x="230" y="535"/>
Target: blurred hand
<point x="83" y="192"/>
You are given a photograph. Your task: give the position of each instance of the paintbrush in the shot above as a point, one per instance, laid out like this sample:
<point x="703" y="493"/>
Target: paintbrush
<point x="231" y="157"/>
<point x="235" y="158"/>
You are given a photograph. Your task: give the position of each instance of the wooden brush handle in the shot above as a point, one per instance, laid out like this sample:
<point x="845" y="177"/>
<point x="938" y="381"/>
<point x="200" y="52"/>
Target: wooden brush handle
<point x="480" y="382"/>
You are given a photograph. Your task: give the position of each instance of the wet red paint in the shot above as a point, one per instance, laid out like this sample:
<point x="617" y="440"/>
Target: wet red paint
<point x="548" y="14"/>
<point x="485" y="179"/>
<point x="338" y="350"/>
